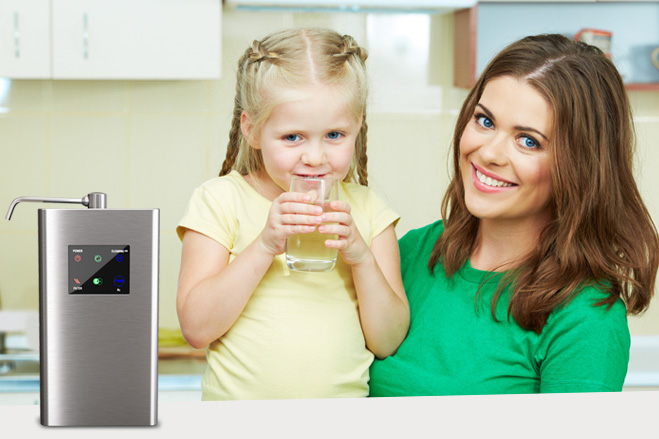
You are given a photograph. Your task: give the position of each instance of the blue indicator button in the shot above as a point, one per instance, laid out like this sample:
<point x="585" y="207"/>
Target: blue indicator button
<point x="119" y="281"/>
<point x="119" y="258"/>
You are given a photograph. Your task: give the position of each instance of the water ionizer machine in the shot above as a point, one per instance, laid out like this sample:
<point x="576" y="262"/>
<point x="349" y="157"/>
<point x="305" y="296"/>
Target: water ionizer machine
<point x="98" y="313"/>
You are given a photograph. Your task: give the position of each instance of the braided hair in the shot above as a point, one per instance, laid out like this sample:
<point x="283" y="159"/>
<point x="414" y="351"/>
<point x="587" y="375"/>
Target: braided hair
<point x="290" y="59"/>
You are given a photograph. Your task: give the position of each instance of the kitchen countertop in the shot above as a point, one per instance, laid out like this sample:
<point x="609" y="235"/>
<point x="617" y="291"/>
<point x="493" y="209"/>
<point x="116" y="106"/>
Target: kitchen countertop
<point x="539" y="416"/>
<point x="180" y="370"/>
<point x="643" y="369"/>
<point x="166" y="383"/>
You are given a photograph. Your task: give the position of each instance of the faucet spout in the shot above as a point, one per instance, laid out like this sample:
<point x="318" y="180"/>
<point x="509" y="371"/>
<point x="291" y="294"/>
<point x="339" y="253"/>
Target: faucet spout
<point x="93" y="200"/>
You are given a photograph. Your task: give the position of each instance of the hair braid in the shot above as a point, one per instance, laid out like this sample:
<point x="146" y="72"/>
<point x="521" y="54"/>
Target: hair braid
<point x="362" y="158"/>
<point x="259" y="53"/>
<point x="233" y="148"/>
<point x="235" y="134"/>
<point x="355" y="56"/>
<point x="351" y="48"/>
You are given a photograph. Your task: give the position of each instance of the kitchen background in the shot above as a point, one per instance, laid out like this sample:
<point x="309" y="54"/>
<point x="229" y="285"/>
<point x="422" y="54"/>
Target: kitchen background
<point x="149" y="143"/>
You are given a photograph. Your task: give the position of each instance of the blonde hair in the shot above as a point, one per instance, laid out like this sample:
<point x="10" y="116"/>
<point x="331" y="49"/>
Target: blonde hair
<point x="282" y="62"/>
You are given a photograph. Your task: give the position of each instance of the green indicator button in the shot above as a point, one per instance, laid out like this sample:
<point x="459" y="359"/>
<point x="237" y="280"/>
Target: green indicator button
<point x="97" y="281"/>
<point x="98" y="258"/>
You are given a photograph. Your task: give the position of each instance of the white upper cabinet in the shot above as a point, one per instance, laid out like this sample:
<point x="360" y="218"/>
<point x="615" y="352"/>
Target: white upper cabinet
<point x="118" y="39"/>
<point x="136" y="39"/>
<point x="24" y="39"/>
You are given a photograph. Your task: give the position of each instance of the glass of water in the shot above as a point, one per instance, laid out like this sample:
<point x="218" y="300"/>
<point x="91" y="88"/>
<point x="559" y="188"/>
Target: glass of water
<point x="307" y="251"/>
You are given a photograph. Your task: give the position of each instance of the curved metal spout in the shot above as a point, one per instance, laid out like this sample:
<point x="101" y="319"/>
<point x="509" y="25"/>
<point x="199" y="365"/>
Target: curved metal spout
<point x="93" y="200"/>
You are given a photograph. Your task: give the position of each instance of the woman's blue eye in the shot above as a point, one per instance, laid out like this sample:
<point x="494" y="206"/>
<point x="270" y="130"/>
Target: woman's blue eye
<point x="333" y="135"/>
<point x="292" y="137"/>
<point x="529" y="142"/>
<point x="484" y="121"/>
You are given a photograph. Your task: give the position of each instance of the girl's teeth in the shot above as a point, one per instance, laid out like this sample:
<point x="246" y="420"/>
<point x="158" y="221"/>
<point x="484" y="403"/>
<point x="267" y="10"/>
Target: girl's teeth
<point x="490" y="181"/>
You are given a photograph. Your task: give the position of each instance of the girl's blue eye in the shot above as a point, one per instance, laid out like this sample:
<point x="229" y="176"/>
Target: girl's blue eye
<point x="292" y="137"/>
<point x="484" y="121"/>
<point x="334" y="135"/>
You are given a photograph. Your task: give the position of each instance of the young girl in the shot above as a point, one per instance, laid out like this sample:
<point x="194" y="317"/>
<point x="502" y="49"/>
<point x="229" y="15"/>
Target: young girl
<point x="545" y="243"/>
<point x="273" y="333"/>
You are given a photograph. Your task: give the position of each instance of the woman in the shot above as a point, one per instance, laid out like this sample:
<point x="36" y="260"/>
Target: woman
<point x="545" y="244"/>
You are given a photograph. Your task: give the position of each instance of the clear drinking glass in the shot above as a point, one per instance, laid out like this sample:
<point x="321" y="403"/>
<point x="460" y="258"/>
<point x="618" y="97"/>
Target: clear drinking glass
<point x="307" y="251"/>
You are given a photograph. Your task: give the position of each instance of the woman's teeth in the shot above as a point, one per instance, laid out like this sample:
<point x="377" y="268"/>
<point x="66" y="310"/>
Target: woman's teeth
<point x="490" y="181"/>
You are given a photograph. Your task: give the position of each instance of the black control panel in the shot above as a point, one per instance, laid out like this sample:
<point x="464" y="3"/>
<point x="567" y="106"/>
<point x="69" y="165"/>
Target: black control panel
<point x="99" y="269"/>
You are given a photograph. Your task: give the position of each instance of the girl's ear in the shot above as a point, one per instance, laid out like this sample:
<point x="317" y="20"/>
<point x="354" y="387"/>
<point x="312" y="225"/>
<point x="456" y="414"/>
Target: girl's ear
<point x="247" y="128"/>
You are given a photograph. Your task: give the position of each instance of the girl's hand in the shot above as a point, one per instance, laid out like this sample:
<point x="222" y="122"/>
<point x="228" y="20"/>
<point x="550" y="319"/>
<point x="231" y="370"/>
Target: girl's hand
<point x="350" y="242"/>
<point x="291" y="213"/>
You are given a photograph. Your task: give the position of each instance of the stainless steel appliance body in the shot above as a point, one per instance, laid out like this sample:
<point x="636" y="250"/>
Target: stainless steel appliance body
<point x="98" y="300"/>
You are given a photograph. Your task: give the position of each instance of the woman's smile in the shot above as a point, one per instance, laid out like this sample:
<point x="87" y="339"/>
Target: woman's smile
<point x="487" y="182"/>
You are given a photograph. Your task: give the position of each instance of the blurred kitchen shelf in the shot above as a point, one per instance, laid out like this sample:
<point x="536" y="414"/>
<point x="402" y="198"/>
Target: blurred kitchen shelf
<point x="485" y="29"/>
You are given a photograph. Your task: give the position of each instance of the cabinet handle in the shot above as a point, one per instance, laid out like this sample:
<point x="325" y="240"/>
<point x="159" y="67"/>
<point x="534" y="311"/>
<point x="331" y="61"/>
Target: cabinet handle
<point x="85" y="37"/>
<point x="17" y="37"/>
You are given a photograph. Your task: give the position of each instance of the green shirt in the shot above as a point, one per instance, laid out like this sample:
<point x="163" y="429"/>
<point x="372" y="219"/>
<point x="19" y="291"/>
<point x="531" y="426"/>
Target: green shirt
<point x="456" y="348"/>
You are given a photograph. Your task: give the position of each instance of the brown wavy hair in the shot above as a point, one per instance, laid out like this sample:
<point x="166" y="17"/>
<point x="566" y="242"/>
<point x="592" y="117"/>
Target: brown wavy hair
<point x="270" y="69"/>
<point x="601" y="232"/>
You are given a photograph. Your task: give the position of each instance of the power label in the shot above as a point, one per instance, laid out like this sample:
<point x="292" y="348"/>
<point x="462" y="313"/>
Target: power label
<point x="99" y="269"/>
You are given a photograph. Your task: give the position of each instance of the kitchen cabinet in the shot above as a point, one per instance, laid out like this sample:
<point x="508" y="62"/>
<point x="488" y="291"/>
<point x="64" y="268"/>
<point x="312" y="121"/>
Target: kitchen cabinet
<point x="485" y="29"/>
<point x="119" y="39"/>
<point x="24" y="39"/>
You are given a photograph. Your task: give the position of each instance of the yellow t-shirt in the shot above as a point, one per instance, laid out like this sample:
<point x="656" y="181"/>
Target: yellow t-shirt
<point x="299" y="335"/>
